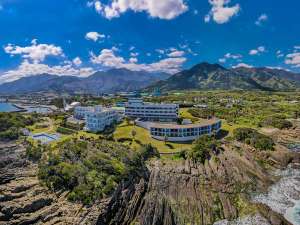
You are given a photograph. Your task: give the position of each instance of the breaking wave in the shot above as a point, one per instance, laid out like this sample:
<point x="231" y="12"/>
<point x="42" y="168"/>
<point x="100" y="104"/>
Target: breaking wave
<point x="284" y="196"/>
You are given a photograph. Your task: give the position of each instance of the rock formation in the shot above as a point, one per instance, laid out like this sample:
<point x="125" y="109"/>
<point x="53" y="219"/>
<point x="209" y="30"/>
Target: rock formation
<point x="169" y="192"/>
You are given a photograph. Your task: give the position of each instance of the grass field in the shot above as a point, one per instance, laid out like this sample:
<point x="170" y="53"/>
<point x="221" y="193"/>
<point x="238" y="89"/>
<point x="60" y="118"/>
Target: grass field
<point x="125" y="131"/>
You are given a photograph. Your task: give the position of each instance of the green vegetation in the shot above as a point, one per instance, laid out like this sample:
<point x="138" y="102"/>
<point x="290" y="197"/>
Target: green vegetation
<point x="277" y="122"/>
<point x="65" y="130"/>
<point x="123" y="133"/>
<point x="253" y="138"/>
<point x="89" y="170"/>
<point x="11" y="123"/>
<point x="202" y="113"/>
<point x="202" y="148"/>
<point x="238" y="108"/>
<point x="34" y="152"/>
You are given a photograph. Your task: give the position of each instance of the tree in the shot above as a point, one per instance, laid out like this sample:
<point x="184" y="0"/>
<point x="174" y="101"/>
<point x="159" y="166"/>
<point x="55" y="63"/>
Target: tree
<point x="133" y="133"/>
<point x="127" y="120"/>
<point x="165" y="139"/>
<point x="202" y="148"/>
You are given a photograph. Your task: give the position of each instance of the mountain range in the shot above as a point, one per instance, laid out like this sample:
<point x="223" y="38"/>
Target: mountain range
<point x="110" y="81"/>
<point x="203" y="76"/>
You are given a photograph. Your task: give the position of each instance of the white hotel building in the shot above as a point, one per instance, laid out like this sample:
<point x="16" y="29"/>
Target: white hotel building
<point x="97" y="118"/>
<point x="184" y="133"/>
<point x="136" y="108"/>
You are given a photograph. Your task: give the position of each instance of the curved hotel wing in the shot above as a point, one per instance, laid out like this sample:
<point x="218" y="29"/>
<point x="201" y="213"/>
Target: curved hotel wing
<point x="184" y="133"/>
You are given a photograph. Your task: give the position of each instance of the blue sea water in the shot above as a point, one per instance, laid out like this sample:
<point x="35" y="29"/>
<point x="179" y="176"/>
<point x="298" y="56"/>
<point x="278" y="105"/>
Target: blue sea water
<point x="7" y="107"/>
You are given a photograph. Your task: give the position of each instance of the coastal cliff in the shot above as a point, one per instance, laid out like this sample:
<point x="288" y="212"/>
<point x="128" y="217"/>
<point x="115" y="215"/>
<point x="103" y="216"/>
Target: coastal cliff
<point x="167" y="192"/>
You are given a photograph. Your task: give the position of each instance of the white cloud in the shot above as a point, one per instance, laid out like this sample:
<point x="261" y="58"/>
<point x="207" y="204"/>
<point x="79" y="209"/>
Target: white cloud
<point x="233" y="56"/>
<point x="35" y="52"/>
<point x="221" y="12"/>
<point x="30" y="69"/>
<point x="133" y="60"/>
<point x="134" y="54"/>
<point x="176" y="53"/>
<point x="166" y="9"/>
<point x="259" y="50"/>
<point x="98" y="6"/>
<point x="278" y="68"/>
<point x="94" y="36"/>
<point x="160" y="51"/>
<point x="261" y="19"/>
<point x="279" y="54"/>
<point x="243" y="65"/>
<point x="293" y="59"/>
<point x="222" y="60"/>
<point x="77" y="61"/>
<point x="108" y="58"/>
<point x="230" y="56"/>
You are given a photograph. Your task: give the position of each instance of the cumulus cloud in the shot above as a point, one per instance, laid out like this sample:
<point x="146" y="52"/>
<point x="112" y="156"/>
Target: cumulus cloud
<point x="293" y="59"/>
<point x="36" y="52"/>
<point x="257" y="51"/>
<point x="166" y="9"/>
<point x="77" y="61"/>
<point x="176" y="53"/>
<point x="94" y="36"/>
<point x="27" y="69"/>
<point x="242" y="65"/>
<point x="261" y="19"/>
<point x="220" y="12"/>
<point x="108" y="58"/>
<point x="230" y="56"/>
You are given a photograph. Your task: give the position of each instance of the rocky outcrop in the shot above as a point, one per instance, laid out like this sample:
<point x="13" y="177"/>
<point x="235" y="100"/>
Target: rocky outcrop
<point x="24" y="201"/>
<point x="181" y="192"/>
<point x="168" y="192"/>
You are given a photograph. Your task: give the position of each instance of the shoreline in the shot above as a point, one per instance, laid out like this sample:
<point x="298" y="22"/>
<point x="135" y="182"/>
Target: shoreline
<point x="20" y="108"/>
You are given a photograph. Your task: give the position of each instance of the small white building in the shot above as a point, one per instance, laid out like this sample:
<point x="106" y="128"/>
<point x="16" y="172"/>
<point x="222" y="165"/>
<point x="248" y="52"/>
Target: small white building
<point x="137" y="108"/>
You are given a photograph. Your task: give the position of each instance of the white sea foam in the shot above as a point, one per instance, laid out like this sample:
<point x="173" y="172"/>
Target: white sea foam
<point x="247" y="220"/>
<point x="284" y="196"/>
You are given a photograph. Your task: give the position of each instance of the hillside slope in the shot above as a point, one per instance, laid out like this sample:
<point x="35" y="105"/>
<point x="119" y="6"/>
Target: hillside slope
<point x="205" y="76"/>
<point x="109" y="81"/>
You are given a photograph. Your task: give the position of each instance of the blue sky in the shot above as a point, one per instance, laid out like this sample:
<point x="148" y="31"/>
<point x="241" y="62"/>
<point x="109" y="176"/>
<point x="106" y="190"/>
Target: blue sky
<point x="79" y="37"/>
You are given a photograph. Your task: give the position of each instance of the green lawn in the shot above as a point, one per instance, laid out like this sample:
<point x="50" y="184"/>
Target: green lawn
<point x="125" y="131"/>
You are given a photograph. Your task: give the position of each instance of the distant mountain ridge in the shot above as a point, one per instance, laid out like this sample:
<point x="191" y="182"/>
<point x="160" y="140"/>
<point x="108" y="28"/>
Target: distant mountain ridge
<point x="203" y="76"/>
<point x="109" y="81"/>
<point x="206" y="76"/>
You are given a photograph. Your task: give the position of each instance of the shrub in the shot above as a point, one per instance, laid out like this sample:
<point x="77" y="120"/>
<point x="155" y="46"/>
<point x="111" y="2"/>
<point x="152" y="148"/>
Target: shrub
<point x="64" y="130"/>
<point x="277" y="122"/>
<point x="202" y="148"/>
<point x="10" y="124"/>
<point x="125" y="139"/>
<point x="253" y="138"/>
<point x="34" y="152"/>
<point x="10" y="134"/>
<point x="91" y="170"/>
